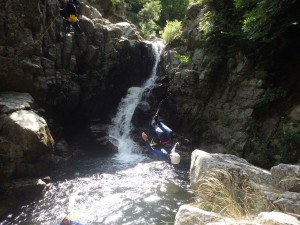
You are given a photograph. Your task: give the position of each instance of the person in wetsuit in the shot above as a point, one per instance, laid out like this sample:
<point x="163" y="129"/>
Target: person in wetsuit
<point x="173" y="157"/>
<point x="69" y="13"/>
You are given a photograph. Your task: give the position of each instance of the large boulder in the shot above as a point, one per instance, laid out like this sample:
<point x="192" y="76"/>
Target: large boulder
<point x="239" y="168"/>
<point x="26" y="143"/>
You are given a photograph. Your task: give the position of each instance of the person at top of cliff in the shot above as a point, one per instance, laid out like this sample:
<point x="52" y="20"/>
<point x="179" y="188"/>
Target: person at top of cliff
<point x="63" y="219"/>
<point x="164" y="133"/>
<point x="69" y="13"/>
<point x="174" y="157"/>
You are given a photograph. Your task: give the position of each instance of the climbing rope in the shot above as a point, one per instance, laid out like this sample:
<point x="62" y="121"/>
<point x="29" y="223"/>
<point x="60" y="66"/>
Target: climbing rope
<point x="165" y="98"/>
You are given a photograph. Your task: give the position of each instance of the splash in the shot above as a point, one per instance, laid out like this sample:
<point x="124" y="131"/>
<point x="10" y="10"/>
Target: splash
<point x="121" y="124"/>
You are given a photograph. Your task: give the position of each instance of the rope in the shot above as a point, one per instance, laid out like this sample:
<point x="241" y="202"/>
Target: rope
<point x="165" y="98"/>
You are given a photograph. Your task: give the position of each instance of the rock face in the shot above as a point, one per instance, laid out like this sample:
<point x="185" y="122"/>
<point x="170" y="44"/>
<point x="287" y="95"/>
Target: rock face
<point x="74" y="77"/>
<point x="26" y="143"/>
<point x="69" y="72"/>
<point x="242" y="173"/>
<point x="239" y="168"/>
<point x="286" y="177"/>
<point x="230" y="101"/>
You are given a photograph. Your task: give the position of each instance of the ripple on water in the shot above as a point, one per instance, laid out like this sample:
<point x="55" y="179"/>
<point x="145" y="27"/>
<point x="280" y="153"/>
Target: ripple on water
<point x="106" y="191"/>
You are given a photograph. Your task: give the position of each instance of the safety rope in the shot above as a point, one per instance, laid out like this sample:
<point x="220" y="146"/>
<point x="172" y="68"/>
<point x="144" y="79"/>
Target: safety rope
<point x="165" y="98"/>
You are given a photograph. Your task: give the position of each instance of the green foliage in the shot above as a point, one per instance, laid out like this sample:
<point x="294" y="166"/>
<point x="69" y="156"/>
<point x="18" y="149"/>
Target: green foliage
<point x="206" y="23"/>
<point x="152" y="15"/>
<point x="172" y="30"/>
<point x="148" y="29"/>
<point x="151" y="11"/>
<point x="265" y="19"/>
<point x="172" y="10"/>
<point x="182" y="58"/>
<point x="132" y="9"/>
<point x="252" y="20"/>
<point x="115" y="2"/>
<point x="148" y="16"/>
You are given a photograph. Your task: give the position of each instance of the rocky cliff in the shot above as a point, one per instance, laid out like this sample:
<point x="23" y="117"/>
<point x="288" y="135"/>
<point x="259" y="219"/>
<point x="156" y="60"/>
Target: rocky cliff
<point x="232" y="99"/>
<point x="51" y="78"/>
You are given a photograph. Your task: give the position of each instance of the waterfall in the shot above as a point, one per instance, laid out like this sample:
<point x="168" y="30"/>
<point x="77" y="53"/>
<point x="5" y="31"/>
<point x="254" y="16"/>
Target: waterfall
<point x="121" y="124"/>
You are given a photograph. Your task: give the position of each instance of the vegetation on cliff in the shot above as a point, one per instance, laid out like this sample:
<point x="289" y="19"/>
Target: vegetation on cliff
<point x="265" y="33"/>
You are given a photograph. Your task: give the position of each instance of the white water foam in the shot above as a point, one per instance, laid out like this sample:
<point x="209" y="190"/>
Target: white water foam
<point x="121" y="124"/>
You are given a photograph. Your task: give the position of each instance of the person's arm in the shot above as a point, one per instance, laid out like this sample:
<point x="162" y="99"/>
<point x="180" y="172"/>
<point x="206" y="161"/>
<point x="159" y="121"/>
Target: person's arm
<point x="174" y="148"/>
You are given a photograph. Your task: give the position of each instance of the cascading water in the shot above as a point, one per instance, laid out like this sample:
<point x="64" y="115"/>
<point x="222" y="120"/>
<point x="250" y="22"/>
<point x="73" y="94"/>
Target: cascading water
<point x="121" y="123"/>
<point x="126" y="189"/>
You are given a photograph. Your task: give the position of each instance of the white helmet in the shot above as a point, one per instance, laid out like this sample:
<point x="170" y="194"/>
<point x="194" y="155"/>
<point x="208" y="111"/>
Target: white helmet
<point x="175" y="158"/>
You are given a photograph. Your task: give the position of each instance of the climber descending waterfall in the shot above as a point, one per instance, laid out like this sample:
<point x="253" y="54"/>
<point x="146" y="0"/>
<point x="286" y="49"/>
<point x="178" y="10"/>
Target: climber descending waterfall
<point x="121" y="123"/>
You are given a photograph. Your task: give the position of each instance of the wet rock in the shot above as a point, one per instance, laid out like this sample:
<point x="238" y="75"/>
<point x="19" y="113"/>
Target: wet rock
<point x="101" y="138"/>
<point x="28" y="189"/>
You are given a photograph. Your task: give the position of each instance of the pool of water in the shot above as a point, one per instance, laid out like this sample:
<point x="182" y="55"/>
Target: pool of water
<point x="135" y="189"/>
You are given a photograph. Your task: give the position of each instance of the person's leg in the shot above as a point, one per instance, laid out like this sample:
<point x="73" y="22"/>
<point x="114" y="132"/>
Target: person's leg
<point x="165" y="129"/>
<point x="77" y="27"/>
<point x="68" y="26"/>
<point x="161" y="129"/>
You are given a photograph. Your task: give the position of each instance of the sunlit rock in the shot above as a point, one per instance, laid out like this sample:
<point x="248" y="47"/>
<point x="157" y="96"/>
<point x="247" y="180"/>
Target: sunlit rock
<point x="239" y="168"/>
<point x="190" y="215"/>
<point x="276" y="218"/>
<point x="26" y="143"/>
